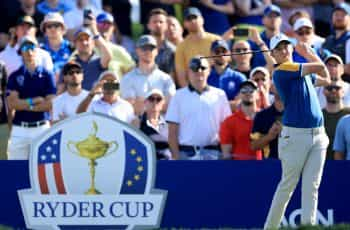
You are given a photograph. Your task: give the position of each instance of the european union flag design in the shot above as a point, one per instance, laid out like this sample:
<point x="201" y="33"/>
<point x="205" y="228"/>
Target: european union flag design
<point x="135" y="174"/>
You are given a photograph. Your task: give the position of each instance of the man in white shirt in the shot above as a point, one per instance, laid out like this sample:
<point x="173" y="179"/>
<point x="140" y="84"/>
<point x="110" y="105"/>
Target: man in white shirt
<point x="109" y="103"/>
<point x="194" y="116"/>
<point x="66" y="104"/>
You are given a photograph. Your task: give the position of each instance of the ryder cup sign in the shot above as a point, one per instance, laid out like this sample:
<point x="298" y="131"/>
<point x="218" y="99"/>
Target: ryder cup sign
<point x="92" y="170"/>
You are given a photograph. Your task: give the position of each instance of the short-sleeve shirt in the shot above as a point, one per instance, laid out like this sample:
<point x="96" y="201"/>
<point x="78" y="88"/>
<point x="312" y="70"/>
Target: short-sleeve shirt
<point x="342" y="137"/>
<point x="188" y="48"/>
<point x="166" y="57"/>
<point x="41" y="83"/>
<point x="138" y="84"/>
<point x="235" y="130"/>
<point x="229" y="81"/>
<point x="263" y="121"/>
<point x="338" y="45"/>
<point x="198" y="115"/>
<point x="121" y="109"/>
<point x="301" y="106"/>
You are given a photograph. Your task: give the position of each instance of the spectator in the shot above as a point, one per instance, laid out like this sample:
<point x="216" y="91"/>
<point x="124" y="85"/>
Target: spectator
<point x="196" y="42"/>
<point x="333" y="111"/>
<point x="31" y="89"/>
<point x="121" y="61"/>
<point x="338" y="43"/>
<point x="222" y="76"/>
<point x="235" y="142"/>
<point x="52" y="6"/>
<point x="4" y="129"/>
<point x="215" y="14"/>
<point x="341" y="146"/>
<point x="193" y="108"/>
<point x="266" y="128"/>
<point x="136" y="84"/>
<point x="261" y="77"/>
<point x="59" y="48"/>
<point x="85" y="40"/>
<point x="250" y="11"/>
<point x="66" y="104"/>
<point x="335" y="68"/>
<point x="241" y="62"/>
<point x="109" y="103"/>
<point x="174" y="31"/>
<point x="153" y="123"/>
<point x="10" y="56"/>
<point x="157" y="25"/>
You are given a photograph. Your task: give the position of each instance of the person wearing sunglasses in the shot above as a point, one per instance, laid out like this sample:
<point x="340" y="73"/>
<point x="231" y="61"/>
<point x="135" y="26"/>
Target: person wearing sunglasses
<point x="235" y="142"/>
<point x="66" y="104"/>
<point x="30" y="91"/>
<point x="194" y="116"/>
<point x="242" y="62"/>
<point x="152" y="123"/>
<point x="303" y="142"/>
<point x="135" y="85"/>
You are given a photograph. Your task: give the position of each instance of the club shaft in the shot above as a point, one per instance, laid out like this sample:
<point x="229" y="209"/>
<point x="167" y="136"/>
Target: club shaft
<point x="240" y="53"/>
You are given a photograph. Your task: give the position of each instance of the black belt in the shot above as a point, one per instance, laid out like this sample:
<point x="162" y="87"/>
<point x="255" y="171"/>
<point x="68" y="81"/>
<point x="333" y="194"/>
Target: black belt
<point x="191" y="150"/>
<point x="31" y="124"/>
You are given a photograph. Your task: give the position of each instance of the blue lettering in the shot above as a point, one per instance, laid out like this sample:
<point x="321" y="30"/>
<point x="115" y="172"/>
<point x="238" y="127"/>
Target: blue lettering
<point x="129" y="208"/>
<point x="113" y="211"/>
<point x="38" y="208"/>
<point x="147" y="207"/>
<point x="97" y="208"/>
<point x="66" y="206"/>
<point x="52" y="206"/>
<point x="83" y="209"/>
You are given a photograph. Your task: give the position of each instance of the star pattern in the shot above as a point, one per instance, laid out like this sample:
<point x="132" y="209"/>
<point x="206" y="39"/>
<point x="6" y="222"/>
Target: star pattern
<point x="139" y="168"/>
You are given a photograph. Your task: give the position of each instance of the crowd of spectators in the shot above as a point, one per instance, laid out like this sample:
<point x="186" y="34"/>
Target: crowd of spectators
<point x="59" y="58"/>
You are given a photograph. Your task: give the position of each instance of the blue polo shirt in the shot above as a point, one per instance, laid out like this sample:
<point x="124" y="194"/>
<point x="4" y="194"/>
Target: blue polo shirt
<point x="301" y="106"/>
<point x="229" y="81"/>
<point x="29" y="85"/>
<point x="60" y="56"/>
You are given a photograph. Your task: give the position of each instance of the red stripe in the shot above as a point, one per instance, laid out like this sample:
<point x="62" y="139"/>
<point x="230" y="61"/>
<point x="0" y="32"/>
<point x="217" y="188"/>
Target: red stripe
<point x="58" y="178"/>
<point x="42" y="179"/>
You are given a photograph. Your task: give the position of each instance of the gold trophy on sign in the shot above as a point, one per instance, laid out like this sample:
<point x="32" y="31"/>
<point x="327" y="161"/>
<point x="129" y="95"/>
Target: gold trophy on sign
<point x="92" y="148"/>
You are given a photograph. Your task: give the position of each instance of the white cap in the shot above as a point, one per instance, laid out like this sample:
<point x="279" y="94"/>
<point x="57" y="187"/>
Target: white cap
<point x="259" y="69"/>
<point x="334" y="56"/>
<point x="154" y="91"/>
<point x="275" y="40"/>
<point x="302" y="22"/>
<point x="52" y="17"/>
<point x="108" y="72"/>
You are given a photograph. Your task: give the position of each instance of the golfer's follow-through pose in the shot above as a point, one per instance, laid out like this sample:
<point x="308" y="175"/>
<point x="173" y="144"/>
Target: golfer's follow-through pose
<point x="303" y="142"/>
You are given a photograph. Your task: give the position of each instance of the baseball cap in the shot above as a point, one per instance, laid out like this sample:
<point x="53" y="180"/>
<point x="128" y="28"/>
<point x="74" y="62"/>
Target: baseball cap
<point x="259" y="69"/>
<point x="52" y="17"/>
<point x="333" y="56"/>
<point x="272" y="9"/>
<point x="105" y="17"/>
<point x="197" y="63"/>
<point x="192" y="11"/>
<point x="302" y="22"/>
<point x="108" y="72"/>
<point x="81" y="31"/>
<point x="27" y="40"/>
<point x="154" y="91"/>
<point x="70" y="65"/>
<point x="26" y="20"/>
<point x="277" y="39"/>
<point x="146" y="40"/>
<point x="219" y="44"/>
<point x="248" y="83"/>
<point x="342" y="6"/>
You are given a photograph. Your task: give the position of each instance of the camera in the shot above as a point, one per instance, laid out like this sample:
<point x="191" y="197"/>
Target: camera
<point x="111" y="86"/>
<point x="240" y="32"/>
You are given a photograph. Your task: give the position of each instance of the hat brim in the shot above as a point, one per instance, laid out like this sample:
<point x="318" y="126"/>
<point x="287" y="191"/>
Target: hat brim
<point x="42" y="24"/>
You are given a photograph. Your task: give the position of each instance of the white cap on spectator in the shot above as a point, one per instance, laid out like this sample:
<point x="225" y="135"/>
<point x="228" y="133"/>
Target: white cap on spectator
<point x="277" y="39"/>
<point x="259" y="69"/>
<point x="108" y="72"/>
<point x="335" y="57"/>
<point x="155" y="91"/>
<point x="301" y="22"/>
<point x="52" y="17"/>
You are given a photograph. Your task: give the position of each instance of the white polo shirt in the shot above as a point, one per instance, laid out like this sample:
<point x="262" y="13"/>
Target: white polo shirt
<point x="121" y="109"/>
<point x="137" y="84"/>
<point x="66" y="104"/>
<point x="198" y="115"/>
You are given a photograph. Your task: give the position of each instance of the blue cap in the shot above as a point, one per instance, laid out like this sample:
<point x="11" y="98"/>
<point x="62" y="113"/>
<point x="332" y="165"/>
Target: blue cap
<point x="272" y="9"/>
<point x="198" y="62"/>
<point x="82" y="30"/>
<point x="192" y="11"/>
<point x="342" y="6"/>
<point x="219" y="44"/>
<point x="105" y="17"/>
<point x="146" y="40"/>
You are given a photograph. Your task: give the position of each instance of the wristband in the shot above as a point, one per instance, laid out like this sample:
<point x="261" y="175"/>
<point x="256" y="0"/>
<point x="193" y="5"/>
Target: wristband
<point x="95" y="37"/>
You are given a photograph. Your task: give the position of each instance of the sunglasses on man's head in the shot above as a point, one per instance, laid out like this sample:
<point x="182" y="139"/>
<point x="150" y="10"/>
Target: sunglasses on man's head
<point x="333" y="87"/>
<point x="53" y="25"/>
<point x="155" y="99"/>
<point x="27" y="47"/>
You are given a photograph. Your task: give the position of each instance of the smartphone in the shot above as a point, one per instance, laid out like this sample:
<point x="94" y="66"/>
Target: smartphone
<point x="110" y="86"/>
<point x="240" y="32"/>
<point x="87" y="13"/>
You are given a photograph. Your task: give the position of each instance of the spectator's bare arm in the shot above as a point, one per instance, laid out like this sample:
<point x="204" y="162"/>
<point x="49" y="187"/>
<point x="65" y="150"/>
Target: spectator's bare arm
<point x="228" y="8"/>
<point x="173" y="140"/>
<point x="339" y="156"/>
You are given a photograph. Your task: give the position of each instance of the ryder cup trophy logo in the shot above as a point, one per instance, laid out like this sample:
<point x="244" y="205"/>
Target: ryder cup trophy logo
<point x="92" y="171"/>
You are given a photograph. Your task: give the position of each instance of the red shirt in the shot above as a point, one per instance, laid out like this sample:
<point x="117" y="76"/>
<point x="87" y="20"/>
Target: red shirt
<point x="236" y="130"/>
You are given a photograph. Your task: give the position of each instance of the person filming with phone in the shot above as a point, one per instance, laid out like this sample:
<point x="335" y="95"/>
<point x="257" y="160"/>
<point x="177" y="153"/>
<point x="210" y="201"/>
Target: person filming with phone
<point x="103" y="98"/>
